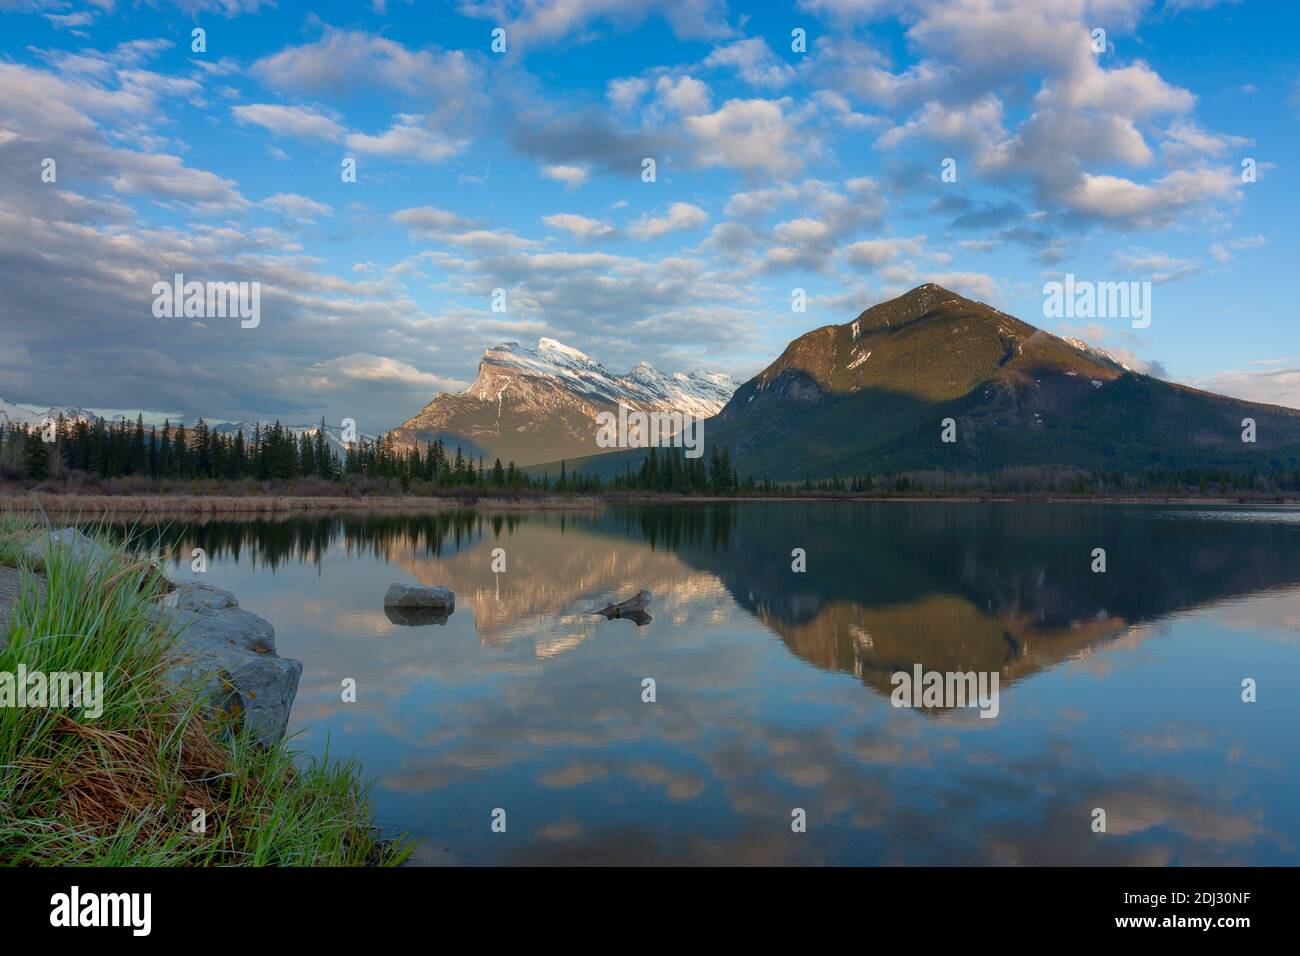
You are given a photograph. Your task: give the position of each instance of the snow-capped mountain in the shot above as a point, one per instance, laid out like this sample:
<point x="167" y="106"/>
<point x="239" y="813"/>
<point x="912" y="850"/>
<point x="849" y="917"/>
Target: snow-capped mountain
<point x="11" y="414"/>
<point x="530" y="405"/>
<point x="1097" y="353"/>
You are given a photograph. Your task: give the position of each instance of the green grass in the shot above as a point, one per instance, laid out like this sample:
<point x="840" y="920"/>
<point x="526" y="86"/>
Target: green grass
<point x="121" y="789"/>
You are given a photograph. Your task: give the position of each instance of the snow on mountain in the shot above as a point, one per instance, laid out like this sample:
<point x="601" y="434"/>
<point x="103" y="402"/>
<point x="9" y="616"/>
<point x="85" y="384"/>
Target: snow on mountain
<point x="539" y="404"/>
<point x="11" y="414"/>
<point x="17" y="415"/>
<point x="645" y="387"/>
<point x="1097" y="353"/>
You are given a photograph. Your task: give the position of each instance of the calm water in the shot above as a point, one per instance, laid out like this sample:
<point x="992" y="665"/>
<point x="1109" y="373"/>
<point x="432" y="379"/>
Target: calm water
<point x="1119" y="690"/>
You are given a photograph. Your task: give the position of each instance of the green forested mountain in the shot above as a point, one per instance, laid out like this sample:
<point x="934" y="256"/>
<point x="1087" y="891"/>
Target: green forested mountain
<point x="871" y="396"/>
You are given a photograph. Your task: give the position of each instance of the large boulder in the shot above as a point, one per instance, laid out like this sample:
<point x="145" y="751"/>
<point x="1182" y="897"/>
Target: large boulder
<point x="69" y="541"/>
<point x="228" y="654"/>
<point x="193" y="596"/>
<point x="419" y="596"/>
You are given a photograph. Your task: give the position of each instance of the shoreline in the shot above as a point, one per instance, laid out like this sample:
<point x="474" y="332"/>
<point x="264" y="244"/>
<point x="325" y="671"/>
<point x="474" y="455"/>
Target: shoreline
<point x="65" y="504"/>
<point x="31" y="503"/>
<point x="190" y="696"/>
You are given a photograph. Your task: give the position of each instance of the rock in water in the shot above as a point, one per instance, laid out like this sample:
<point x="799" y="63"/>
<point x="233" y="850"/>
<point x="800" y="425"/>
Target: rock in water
<point x="229" y="655"/>
<point x="417" y="616"/>
<point x="419" y="596"/>
<point x="633" y="608"/>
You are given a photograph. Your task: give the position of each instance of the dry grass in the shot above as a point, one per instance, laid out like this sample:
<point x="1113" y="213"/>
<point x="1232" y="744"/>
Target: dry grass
<point x="139" y="505"/>
<point x="100" y="777"/>
<point x="120" y="786"/>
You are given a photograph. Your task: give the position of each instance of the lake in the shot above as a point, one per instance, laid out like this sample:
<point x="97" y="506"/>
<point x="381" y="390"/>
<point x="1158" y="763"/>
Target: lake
<point x="1119" y="691"/>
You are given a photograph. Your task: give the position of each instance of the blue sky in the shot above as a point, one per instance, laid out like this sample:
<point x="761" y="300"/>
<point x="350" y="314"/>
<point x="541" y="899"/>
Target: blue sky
<point x="521" y="170"/>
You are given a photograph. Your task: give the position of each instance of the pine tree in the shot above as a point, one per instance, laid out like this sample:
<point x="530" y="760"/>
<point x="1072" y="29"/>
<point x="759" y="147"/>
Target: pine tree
<point x="36" y="456"/>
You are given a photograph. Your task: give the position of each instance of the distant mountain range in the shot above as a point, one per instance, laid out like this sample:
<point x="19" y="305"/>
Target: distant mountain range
<point x="869" y="396"/>
<point x="11" y="414"/>
<point x="529" y="405"/>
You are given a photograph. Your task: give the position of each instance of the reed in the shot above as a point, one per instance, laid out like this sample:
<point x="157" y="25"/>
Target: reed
<point x="127" y="787"/>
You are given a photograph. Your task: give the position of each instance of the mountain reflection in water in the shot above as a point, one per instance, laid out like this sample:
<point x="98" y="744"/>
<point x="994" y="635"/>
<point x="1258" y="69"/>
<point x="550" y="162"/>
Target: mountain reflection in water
<point x="525" y="700"/>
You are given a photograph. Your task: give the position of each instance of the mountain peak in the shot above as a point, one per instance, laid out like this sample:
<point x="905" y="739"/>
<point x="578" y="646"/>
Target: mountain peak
<point x="539" y="404"/>
<point x="559" y="348"/>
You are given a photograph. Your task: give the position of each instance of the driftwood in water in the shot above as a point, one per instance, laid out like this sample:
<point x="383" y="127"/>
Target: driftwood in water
<point x="633" y="609"/>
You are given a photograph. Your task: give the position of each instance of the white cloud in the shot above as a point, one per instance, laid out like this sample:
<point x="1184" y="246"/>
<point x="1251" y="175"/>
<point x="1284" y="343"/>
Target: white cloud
<point x="298" y="207"/>
<point x="361" y="367"/>
<point x="1275" y="386"/>
<point x="532" y="24"/>
<point x="569" y="175"/>
<point x="429" y="221"/>
<point x="1223" y="251"/>
<point x="754" y="61"/>
<point x="581" y="228"/>
<point x="754" y="136"/>
<point x="348" y="62"/>
<point x="407" y="138"/>
<point x="680" y="215"/>
<point x="1117" y="198"/>
<point x="1156" y="266"/>
<point x="684" y="95"/>
<point x="878" y="252"/>
<point x="301" y="122"/>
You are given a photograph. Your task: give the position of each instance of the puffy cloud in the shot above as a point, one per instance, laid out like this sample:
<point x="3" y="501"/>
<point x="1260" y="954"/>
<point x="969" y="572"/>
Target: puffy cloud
<point x="588" y="139"/>
<point x="1270" y="385"/>
<point x="407" y="138"/>
<point x="753" y="136"/>
<point x="754" y="61"/>
<point x="531" y="24"/>
<point x="431" y="222"/>
<point x="878" y="252"/>
<point x="580" y="228"/>
<point x="685" y="95"/>
<point x="569" y="175"/>
<point x="624" y="93"/>
<point x="346" y="62"/>
<point x="302" y="122"/>
<point x="680" y="215"/>
<point x="1156" y="266"/>
<point x="42" y="109"/>
<point x="360" y="367"/>
<point x="1117" y="198"/>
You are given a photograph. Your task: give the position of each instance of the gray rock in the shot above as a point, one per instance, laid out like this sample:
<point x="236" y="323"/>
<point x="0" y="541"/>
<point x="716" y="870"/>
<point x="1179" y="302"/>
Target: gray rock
<point x="417" y="616"/>
<point x="419" y="596"/>
<point x="71" y="542"/>
<point x="194" y="596"/>
<point x="228" y="655"/>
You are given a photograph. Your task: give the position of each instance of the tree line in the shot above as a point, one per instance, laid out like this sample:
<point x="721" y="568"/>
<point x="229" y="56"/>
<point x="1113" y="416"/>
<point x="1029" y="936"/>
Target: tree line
<point x="276" y="453"/>
<point x="120" y="448"/>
